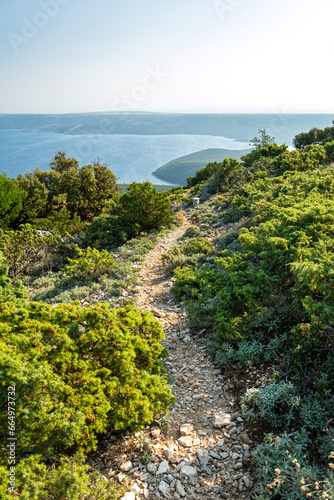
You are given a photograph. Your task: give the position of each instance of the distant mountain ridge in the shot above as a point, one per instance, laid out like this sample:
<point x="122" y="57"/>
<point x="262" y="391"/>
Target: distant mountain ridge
<point x="241" y="127"/>
<point x="177" y="171"/>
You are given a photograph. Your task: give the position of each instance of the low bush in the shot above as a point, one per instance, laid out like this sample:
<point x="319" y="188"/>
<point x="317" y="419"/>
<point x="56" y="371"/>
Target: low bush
<point x="26" y="250"/>
<point x="173" y="252"/>
<point x="77" y="371"/>
<point x="176" y="261"/>
<point x="67" y="478"/>
<point x="61" y="287"/>
<point x="66" y="186"/>
<point x="109" y="232"/>
<point x="275" y="403"/>
<point x="9" y="290"/>
<point x="329" y="148"/>
<point x="135" y="248"/>
<point x="203" y="174"/>
<point x="89" y="264"/>
<point x="227" y="239"/>
<point x="64" y="223"/>
<point x="198" y="245"/>
<point x="192" y="232"/>
<point x="247" y="352"/>
<point x="285" y="470"/>
<point x="179" y="219"/>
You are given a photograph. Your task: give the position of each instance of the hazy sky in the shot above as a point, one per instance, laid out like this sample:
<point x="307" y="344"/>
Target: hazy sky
<point x="60" y="56"/>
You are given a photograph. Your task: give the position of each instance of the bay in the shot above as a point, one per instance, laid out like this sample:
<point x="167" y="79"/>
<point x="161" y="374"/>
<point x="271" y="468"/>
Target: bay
<point x="131" y="157"/>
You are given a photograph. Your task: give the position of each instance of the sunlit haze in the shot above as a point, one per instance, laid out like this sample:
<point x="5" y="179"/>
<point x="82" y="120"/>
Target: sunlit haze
<point x="62" y="56"/>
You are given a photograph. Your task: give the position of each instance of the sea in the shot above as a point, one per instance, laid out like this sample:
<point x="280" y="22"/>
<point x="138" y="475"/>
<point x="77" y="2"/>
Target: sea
<point x="130" y="157"/>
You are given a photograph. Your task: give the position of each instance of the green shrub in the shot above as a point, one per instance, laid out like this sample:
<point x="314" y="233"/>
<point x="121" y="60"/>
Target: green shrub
<point x="173" y="252"/>
<point x="198" y="245"/>
<point x="179" y="219"/>
<point x="9" y="290"/>
<point x="62" y="294"/>
<point x="268" y="151"/>
<point x="66" y="186"/>
<point x="121" y="269"/>
<point x="186" y="283"/>
<point x="109" y="232"/>
<point x="89" y="264"/>
<point x="329" y="148"/>
<point x="77" y="371"/>
<point x="135" y="248"/>
<point x="192" y="232"/>
<point x="225" y="355"/>
<point x="249" y="352"/>
<point x="63" y="222"/>
<point x="144" y="207"/>
<point x="60" y="287"/>
<point x="203" y="174"/>
<point x="11" y="199"/>
<point x="275" y="403"/>
<point x="228" y="173"/>
<point x="229" y="237"/>
<point x="176" y="261"/>
<point x="284" y="470"/>
<point x="300" y="160"/>
<point x="314" y="136"/>
<point x="69" y="479"/>
<point x="25" y="250"/>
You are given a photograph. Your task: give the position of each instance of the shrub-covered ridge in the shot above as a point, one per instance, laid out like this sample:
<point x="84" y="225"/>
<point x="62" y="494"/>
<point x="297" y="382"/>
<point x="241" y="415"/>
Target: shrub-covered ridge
<point x="267" y="296"/>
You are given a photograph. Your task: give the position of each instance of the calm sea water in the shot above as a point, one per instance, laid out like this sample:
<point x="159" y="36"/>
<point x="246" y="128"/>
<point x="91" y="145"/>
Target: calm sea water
<point x="130" y="157"/>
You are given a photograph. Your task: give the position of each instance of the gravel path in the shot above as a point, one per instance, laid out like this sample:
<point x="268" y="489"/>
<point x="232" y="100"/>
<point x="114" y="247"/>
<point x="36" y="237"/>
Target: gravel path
<point x="205" y="452"/>
<point x="202" y="401"/>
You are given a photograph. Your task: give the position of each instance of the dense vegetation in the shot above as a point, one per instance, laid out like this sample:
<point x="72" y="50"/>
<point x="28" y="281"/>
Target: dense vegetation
<point x="80" y="367"/>
<point x="266" y="294"/>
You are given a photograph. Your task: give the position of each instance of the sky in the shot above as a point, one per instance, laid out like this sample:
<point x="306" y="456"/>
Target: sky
<point x="186" y="56"/>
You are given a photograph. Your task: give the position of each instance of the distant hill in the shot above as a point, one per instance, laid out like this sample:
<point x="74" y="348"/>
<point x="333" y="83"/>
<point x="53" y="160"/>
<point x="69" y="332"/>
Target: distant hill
<point x="241" y="127"/>
<point x="158" y="187"/>
<point x="177" y="171"/>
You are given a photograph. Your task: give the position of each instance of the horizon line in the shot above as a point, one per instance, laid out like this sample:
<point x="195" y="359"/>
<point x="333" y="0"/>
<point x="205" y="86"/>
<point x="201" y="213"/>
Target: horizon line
<point x="122" y="112"/>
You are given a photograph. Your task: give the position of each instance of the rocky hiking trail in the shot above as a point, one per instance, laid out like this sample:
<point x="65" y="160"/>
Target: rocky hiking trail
<point x="205" y="451"/>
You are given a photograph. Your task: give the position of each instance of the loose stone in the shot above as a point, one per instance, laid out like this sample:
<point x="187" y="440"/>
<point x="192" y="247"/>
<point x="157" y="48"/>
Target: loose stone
<point x="126" y="466"/>
<point x="188" y="470"/>
<point x="130" y="495"/>
<point x="164" y="488"/>
<point x="185" y="441"/>
<point x="155" y="432"/>
<point x="221" y="419"/>
<point x="179" y="489"/>
<point x="186" y="429"/>
<point x="163" y="468"/>
<point x="151" y="468"/>
<point x="203" y="457"/>
<point x="136" y="489"/>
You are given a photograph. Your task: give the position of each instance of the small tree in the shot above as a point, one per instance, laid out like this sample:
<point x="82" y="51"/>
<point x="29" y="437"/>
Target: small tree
<point x="66" y="186"/>
<point x="36" y="196"/>
<point x="262" y="140"/>
<point x="11" y="197"/>
<point x="143" y="206"/>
